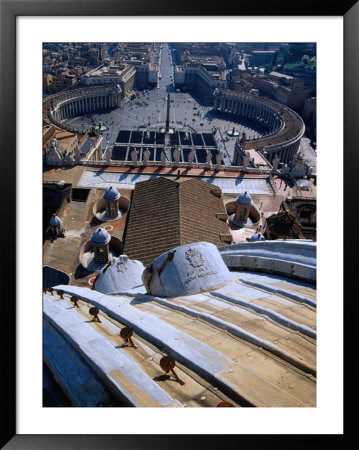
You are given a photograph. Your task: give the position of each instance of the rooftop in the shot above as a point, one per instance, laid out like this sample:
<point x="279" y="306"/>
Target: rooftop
<point x="251" y="342"/>
<point x="166" y="213"/>
<point x="126" y="178"/>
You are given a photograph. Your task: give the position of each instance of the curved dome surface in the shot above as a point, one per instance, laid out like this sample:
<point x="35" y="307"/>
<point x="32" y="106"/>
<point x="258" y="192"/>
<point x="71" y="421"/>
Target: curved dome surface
<point x="55" y="221"/>
<point x="111" y="194"/>
<point x="100" y="237"/>
<point x="187" y="269"/>
<point x="244" y="199"/>
<point x="254" y="338"/>
<point x="120" y="275"/>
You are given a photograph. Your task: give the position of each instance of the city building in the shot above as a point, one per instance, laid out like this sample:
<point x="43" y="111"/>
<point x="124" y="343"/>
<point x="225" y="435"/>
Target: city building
<point x="122" y="77"/>
<point x="301" y="202"/>
<point x="309" y="115"/>
<point x="200" y="81"/>
<point x="285" y="89"/>
<point x="284" y="225"/>
<point x="261" y="57"/>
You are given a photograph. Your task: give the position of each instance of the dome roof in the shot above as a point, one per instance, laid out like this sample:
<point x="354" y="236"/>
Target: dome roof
<point x="55" y="221"/>
<point x="188" y="269"/>
<point x="100" y="237"/>
<point x="120" y="275"/>
<point x="244" y="199"/>
<point x="111" y="194"/>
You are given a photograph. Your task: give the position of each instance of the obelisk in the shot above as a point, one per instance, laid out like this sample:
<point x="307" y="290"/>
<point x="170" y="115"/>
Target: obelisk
<point x="168" y="112"/>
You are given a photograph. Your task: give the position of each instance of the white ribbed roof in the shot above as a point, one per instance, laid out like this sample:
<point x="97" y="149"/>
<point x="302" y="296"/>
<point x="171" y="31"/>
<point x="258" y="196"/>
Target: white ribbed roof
<point x="251" y="342"/>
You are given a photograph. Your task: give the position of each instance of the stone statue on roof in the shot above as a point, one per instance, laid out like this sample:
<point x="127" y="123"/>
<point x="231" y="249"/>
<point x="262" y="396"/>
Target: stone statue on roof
<point x="219" y="161"/>
<point x="134" y="157"/>
<point x="245" y="162"/>
<point x="108" y="155"/>
<point x="163" y="157"/>
<point x="190" y="158"/>
<point x="275" y="163"/>
<point x="208" y="159"/>
<point x="176" y="156"/>
<point x="146" y="157"/>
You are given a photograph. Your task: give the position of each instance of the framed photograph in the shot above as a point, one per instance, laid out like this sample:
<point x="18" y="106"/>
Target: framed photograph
<point x="175" y="108"/>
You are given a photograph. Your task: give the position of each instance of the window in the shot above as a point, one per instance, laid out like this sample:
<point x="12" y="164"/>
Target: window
<point x="111" y="209"/>
<point x="242" y="214"/>
<point x="100" y="255"/>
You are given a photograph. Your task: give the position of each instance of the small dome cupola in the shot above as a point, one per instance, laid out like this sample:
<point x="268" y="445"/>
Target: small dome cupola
<point x="55" y="226"/>
<point x="244" y="199"/>
<point x="100" y="242"/>
<point x="111" y="196"/>
<point x="55" y="221"/>
<point x="100" y="237"/>
<point x="244" y="202"/>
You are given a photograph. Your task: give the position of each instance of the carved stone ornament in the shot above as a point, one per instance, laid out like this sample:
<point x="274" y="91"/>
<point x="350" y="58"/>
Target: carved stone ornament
<point x="194" y="257"/>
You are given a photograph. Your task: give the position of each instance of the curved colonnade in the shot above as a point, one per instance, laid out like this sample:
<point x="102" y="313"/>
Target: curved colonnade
<point x="285" y="127"/>
<point x="82" y="101"/>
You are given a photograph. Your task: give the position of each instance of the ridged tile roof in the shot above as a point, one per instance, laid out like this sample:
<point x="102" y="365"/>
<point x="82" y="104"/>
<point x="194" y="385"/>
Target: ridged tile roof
<point x="166" y="213"/>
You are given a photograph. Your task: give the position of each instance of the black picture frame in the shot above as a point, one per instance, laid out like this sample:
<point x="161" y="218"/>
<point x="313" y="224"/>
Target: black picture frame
<point x="9" y="11"/>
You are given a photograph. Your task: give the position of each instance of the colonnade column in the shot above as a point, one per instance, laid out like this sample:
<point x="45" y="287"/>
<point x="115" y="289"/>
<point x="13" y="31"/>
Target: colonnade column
<point x="285" y="158"/>
<point x="236" y="107"/>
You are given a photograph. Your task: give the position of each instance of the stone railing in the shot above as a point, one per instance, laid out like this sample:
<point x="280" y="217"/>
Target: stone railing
<point x="296" y="258"/>
<point x="120" y="163"/>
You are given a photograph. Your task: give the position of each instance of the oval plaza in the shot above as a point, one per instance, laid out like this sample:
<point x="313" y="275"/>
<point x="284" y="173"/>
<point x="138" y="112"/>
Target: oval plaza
<point x="283" y="127"/>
